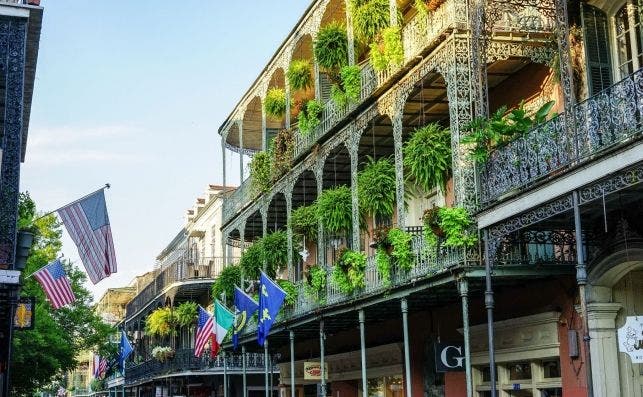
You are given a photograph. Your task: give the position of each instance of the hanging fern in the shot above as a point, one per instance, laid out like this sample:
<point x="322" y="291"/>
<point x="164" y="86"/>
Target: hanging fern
<point x="348" y="274"/>
<point x="456" y="222"/>
<point x="383" y="265"/>
<point x="300" y="75"/>
<point x="303" y="221"/>
<point x="350" y="86"/>
<point x="334" y="208"/>
<point x="251" y="260"/>
<point x="260" y="172"/>
<point x="275" y="103"/>
<point x="427" y="157"/>
<point x="161" y="322"/>
<point x="388" y="50"/>
<point x="317" y="279"/>
<point x="369" y="18"/>
<point x="291" y="291"/>
<point x="282" y="153"/>
<point x="309" y="116"/>
<point x="186" y="313"/>
<point x="229" y="277"/>
<point x="275" y="252"/>
<point x="402" y="253"/>
<point x="376" y="184"/>
<point x="331" y="47"/>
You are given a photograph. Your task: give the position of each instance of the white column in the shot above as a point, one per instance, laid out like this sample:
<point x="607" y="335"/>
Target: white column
<point x="603" y="347"/>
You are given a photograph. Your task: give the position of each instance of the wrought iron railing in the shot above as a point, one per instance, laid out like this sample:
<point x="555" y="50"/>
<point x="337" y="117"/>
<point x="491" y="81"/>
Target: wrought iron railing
<point x="183" y="269"/>
<point x="603" y="121"/>
<point x="184" y="360"/>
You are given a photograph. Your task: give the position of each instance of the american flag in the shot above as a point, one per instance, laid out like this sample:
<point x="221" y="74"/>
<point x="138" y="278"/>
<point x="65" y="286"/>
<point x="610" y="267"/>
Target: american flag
<point x="88" y="224"/>
<point x="203" y="331"/>
<point x="100" y="367"/>
<point x="56" y="284"/>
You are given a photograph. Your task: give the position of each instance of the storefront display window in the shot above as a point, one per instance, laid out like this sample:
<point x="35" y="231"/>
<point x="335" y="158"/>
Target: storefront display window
<point x="388" y="386"/>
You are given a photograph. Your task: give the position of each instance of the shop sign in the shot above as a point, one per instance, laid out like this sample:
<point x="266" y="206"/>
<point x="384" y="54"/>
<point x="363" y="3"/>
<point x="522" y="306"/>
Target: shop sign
<point x="630" y="338"/>
<point x="9" y="276"/>
<point x="449" y="357"/>
<point x="312" y="370"/>
<point x="25" y="313"/>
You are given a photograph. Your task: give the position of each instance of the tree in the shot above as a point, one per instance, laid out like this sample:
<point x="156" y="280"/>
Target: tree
<point x="42" y="355"/>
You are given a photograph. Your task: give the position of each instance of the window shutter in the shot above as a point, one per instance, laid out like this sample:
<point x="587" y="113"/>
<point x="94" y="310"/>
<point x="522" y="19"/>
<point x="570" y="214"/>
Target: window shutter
<point x="324" y="87"/>
<point x="597" y="52"/>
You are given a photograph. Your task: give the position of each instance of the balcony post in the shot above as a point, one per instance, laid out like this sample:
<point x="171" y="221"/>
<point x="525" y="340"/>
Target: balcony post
<point x="287" y="115"/>
<point x="566" y="72"/>
<point x="225" y="375"/>
<point x="224" y="138"/>
<point x="322" y="358"/>
<point x="363" y="350"/>
<point x="392" y="7"/>
<point x="489" y="304"/>
<point x="242" y="240"/>
<point x="581" y="280"/>
<point x="349" y="33"/>
<point x="264" y="226"/>
<point x="265" y="366"/>
<point x="240" y="129"/>
<point x="407" y="351"/>
<point x="243" y="371"/>
<point x="289" y="237"/>
<point x="396" y="119"/>
<point x="317" y="80"/>
<point x="352" y="144"/>
<point x="321" y="245"/>
<point x="464" y="294"/>
<point x="264" y="126"/>
<point x="292" y="363"/>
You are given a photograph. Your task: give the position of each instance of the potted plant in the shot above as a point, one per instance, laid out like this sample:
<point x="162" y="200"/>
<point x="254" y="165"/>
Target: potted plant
<point x="431" y="220"/>
<point x="224" y="285"/>
<point x="163" y="353"/>
<point x="275" y="103"/>
<point x="348" y="274"/>
<point x="427" y="157"/>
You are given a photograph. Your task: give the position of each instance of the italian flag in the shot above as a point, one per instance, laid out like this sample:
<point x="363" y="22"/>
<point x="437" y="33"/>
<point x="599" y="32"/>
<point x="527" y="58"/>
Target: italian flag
<point x="224" y="319"/>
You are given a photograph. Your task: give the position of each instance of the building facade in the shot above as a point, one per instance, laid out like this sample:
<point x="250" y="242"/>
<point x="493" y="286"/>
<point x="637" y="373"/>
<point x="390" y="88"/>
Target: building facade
<point x="20" y="22"/>
<point x="531" y="303"/>
<point x="184" y="272"/>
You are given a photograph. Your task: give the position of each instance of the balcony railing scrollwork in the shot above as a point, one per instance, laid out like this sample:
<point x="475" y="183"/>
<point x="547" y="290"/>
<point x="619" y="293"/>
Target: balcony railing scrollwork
<point x="612" y="117"/>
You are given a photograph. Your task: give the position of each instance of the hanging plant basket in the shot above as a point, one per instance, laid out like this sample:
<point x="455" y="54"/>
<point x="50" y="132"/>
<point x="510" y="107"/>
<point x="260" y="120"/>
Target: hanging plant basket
<point x="431" y="219"/>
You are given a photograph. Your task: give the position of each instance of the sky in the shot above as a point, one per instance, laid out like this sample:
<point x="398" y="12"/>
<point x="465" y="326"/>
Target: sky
<point x="132" y="93"/>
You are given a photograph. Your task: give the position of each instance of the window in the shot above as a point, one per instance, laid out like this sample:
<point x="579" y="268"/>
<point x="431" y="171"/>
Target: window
<point x="521" y="378"/>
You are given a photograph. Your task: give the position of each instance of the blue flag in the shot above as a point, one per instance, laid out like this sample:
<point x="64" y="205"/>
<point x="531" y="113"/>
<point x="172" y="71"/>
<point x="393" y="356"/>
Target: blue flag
<point x="125" y="350"/>
<point x="271" y="297"/>
<point x="245" y="307"/>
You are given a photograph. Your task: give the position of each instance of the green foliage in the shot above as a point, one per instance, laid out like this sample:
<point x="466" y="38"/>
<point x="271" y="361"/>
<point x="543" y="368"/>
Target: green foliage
<point x="334" y="208"/>
<point x="350" y="86"/>
<point x="186" y="313"/>
<point x="369" y="18"/>
<point x="486" y="134"/>
<point x="59" y="333"/>
<point x="331" y="47"/>
<point x="383" y="265"/>
<point x="97" y="384"/>
<point x="421" y="8"/>
<point x="275" y="103"/>
<point x="348" y="274"/>
<point x="161" y="322"/>
<point x="388" y="51"/>
<point x="260" y="172"/>
<point x="401" y="253"/>
<point x="275" y="251"/>
<point x="271" y="250"/>
<point x="455" y="222"/>
<point x="300" y="75"/>
<point x="282" y="153"/>
<point x="427" y="157"/>
<point x="226" y="281"/>
<point x="308" y="118"/>
<point x="376" y="185"/>
<point x="291" y="291"/>
<point x="303" y="221"/>
<point x="163" y="353"/>
<point x="316" y="281"/>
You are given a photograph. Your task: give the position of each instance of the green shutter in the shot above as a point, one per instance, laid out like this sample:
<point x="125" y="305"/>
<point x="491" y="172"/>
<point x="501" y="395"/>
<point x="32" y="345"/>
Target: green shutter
<point x="597" y="52"/>
<point x="324" y="87"/>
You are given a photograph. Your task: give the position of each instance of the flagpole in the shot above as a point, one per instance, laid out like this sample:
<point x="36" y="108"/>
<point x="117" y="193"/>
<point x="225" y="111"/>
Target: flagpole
<point x="265" y="362"/>
<point x="225" y="375"/>
<point x="243" y="363"/>
<point x="107" y="186"/>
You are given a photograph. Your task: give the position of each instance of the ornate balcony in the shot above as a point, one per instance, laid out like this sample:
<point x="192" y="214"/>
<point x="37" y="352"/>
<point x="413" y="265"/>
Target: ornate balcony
<point x="184" y="269"/>
<point x="607" y="120"/>
<point x="184" y="361"/>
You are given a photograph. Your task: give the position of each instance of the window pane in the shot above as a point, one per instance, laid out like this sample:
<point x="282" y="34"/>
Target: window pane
<point x="551" y="369"/>
<point x="551" y="392"/>
<point x="519" y="370"/>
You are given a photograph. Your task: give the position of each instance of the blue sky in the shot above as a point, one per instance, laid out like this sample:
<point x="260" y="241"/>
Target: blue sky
<point x="132" y="93"/>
